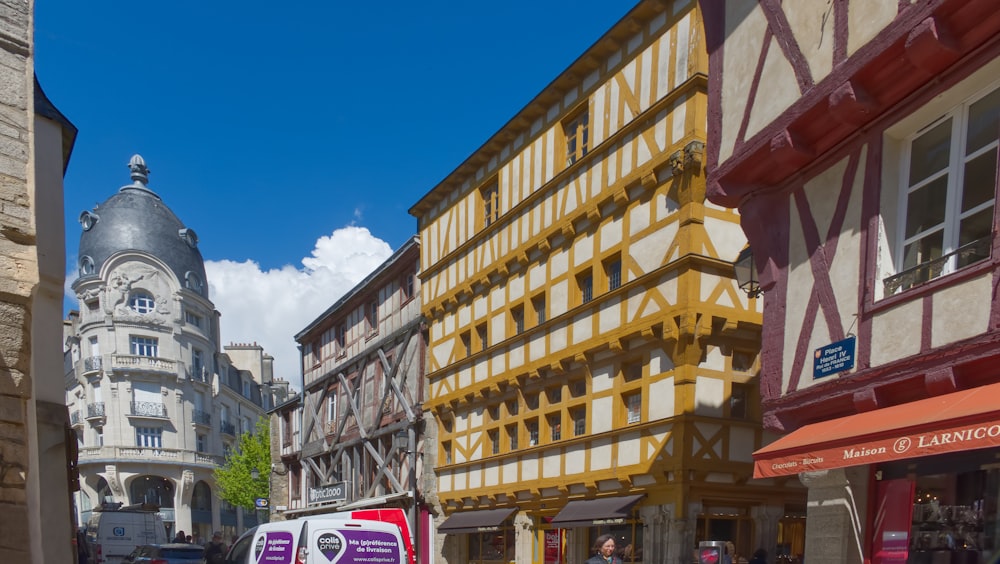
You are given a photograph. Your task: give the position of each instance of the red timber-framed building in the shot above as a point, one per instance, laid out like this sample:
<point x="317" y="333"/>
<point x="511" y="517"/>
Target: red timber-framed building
<point x="859" y="142"/>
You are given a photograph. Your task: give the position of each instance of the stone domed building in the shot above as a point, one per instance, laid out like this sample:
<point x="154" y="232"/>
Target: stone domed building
<point x="154" y="400"/>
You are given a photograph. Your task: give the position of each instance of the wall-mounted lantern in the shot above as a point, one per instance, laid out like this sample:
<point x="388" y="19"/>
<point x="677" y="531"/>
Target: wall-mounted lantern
<point x="746" y="273"/>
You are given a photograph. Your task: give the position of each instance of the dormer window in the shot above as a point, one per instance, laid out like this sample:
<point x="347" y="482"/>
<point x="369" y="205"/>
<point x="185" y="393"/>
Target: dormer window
<point x="193" y="282"/>
<point x="88" y="220"/>
<point x="189" y="236"/>
<point x="86" y="265"/>
<point x="141" y="302"/>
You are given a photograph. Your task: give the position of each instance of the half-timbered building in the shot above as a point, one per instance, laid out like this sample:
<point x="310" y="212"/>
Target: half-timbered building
<point x="351" y="441"/>
<point x="591" y="361"/>
<point x="859" y="141"/>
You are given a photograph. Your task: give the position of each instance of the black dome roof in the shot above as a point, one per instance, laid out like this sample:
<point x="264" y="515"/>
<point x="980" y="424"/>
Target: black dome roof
<point x="136" y="219"/>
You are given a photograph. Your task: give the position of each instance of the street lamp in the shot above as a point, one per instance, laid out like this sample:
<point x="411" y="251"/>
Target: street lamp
<point x="746" y="273"/>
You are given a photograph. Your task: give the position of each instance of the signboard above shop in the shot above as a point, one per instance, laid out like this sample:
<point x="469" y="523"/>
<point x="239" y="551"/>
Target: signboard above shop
<point x="327" y="493"/>
<point x="834" y="358"/>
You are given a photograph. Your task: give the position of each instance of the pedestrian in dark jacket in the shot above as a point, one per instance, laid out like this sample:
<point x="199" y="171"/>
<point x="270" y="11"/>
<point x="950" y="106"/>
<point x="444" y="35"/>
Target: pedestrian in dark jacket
<point x="604" y="549"/>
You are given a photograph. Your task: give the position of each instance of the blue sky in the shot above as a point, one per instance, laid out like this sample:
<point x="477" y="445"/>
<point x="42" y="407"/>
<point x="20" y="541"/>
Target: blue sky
<point x="293" y="138"/>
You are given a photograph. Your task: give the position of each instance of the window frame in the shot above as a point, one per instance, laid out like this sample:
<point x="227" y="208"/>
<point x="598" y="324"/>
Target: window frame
<point x="489" y="203"/>
<point x="896" y="146"/>
<point x="585" y="286"/>
<point x="138" y="343"/>
<point x="142" y="302"/>
<point x="576" y="134"/>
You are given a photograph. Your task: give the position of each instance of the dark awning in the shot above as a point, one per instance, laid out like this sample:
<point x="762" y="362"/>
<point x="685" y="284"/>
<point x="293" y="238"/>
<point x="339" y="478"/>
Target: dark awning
<point x="963" y="420"/>
<point x="475" y="521"/>
<point x="590" y="512"/>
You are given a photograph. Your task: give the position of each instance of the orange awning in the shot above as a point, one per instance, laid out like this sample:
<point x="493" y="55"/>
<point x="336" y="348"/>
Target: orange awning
<point x="965" y="420"/>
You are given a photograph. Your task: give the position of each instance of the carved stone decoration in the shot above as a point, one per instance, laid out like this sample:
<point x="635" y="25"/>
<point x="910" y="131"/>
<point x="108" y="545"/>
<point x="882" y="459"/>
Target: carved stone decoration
<point x="187" y="484"/>
<point x="111" y="477"/>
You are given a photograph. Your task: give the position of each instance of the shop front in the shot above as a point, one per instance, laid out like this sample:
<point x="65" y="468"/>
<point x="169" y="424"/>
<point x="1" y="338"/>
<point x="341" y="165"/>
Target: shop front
<point x="933" y="471"/>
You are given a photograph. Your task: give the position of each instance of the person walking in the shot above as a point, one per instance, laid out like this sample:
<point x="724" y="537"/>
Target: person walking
<point x="215" y="550"/>
<point x="179" y="537"/>
<point x="604" y="549"/>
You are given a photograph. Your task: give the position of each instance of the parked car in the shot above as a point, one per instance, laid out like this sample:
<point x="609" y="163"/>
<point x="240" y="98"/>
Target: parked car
<point x="168" y="553"/>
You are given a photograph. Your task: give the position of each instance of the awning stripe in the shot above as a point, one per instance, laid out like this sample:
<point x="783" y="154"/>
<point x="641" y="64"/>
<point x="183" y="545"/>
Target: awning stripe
<point x="965" y="420"/>
<point x="476" y="521"/>
<point x="591" y="512"/>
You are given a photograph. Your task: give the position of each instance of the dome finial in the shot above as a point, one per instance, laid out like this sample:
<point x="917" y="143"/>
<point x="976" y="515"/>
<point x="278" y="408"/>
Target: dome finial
<point x="140" y="174"/>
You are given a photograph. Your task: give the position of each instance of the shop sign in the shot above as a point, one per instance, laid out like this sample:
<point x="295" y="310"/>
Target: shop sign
<point x="834" y="358"/>
<point x="330" y="492"/>
<point x="950" y="438"/>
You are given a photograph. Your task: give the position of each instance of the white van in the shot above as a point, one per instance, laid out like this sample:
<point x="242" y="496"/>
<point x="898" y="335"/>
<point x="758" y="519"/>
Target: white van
<point x="320" y="540"/>
<point x="113" y="532"/>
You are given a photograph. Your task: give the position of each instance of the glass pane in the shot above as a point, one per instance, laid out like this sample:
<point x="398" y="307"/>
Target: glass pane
<point x="923" y="250"/>
<point x="930" y="152"/>
<point x="984" y="122"/>
<point x="973" y="228"/>
<point x="980" y="180"/>
<point x="925" y="207"/>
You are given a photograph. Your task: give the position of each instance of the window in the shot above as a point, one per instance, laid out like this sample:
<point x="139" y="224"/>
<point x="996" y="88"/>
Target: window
<point x="947" y="180"/>
<point x="579" y="416"/>
<point x="141" y="302"/>
<point x="517" y="319"/>
<point x="555" y="426"/>
<point x="613" y="273"/>
<point x="197" y="364"/>
<point x="331" y="408"/>
<point x="512" y="408"/>
<point x="372" y="317"/>
<point x="512" y="436"/>
<point x="202" y="443"/>
<point x="738" y="401"/>
<point x="531" y="426"/>
<point x="538" y="304"/>
<point x="633" y="407"/>
<point x="576" y="130"/>
<point x="406" y="285"/>
<point x="446" y="451"/>
<point x="490" y="196"/>
<point x="246" y="388"/>
<point x="494" y="441"/>
<point x="149" y="437"/>
<point x="193" y="282"/>
<point x="143" y="346"/>
<point x="467" y="344"/>
<point x="585" y="285"/>
<point x="193" y="319"/>
<point x="482" y="336"/>
<point x="86" y="265"/>
<point x="341" y="337"/>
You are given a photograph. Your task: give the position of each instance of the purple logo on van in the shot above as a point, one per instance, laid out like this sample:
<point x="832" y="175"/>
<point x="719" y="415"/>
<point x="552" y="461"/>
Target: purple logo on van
<point x="330" y="545"/>
<point x="274" y="547"/>
<point x="359" y="546"/>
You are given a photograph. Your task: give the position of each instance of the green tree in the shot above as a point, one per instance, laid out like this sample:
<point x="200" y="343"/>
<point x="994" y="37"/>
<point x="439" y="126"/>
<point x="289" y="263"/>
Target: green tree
<point x="235" y="477"/>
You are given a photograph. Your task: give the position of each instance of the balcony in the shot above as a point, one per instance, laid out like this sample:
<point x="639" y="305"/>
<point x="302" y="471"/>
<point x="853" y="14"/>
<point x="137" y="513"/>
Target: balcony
<point x="90" y="366"/>
<point x="200" y="417"/>
<point x="199" y="374"/>
<point x="228" y="428"/>
<point x="967" y="254"/>
<point x="137" y="363"/>
<point x="151" y="409"/>
<point x="103" y="454"/>
<point x="75" y="418"/>
<point x="95" y="410"/>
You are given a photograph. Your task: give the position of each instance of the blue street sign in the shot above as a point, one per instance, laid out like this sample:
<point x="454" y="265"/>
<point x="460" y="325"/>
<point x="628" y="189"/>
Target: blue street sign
<point x="833" y="358"/>
<point x="260" y="502"/>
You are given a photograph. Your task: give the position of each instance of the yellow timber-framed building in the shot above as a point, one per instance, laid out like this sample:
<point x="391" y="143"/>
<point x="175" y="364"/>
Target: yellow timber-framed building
<point x="592" y="364"/>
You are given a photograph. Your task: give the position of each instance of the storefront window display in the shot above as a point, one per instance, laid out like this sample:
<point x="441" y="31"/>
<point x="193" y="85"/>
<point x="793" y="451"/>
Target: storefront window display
<point x="494" y="547"/>
<point x="628" y="539"/>
<point x="937" y="510"/>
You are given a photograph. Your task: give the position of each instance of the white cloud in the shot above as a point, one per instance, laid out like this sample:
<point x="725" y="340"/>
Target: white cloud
<point x="270" y="307"/>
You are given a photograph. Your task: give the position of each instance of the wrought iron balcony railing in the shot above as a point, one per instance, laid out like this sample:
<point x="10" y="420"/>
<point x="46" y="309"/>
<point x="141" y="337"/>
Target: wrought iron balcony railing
<point x="75" y="418"/>
<point x="201" y="417"/>
<point x="148" y="409"/>
<point x="228" y="428"/>
<point x="91" y="364"/>
<point x="95" y="410"/>
<point x="965" y="255"/>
